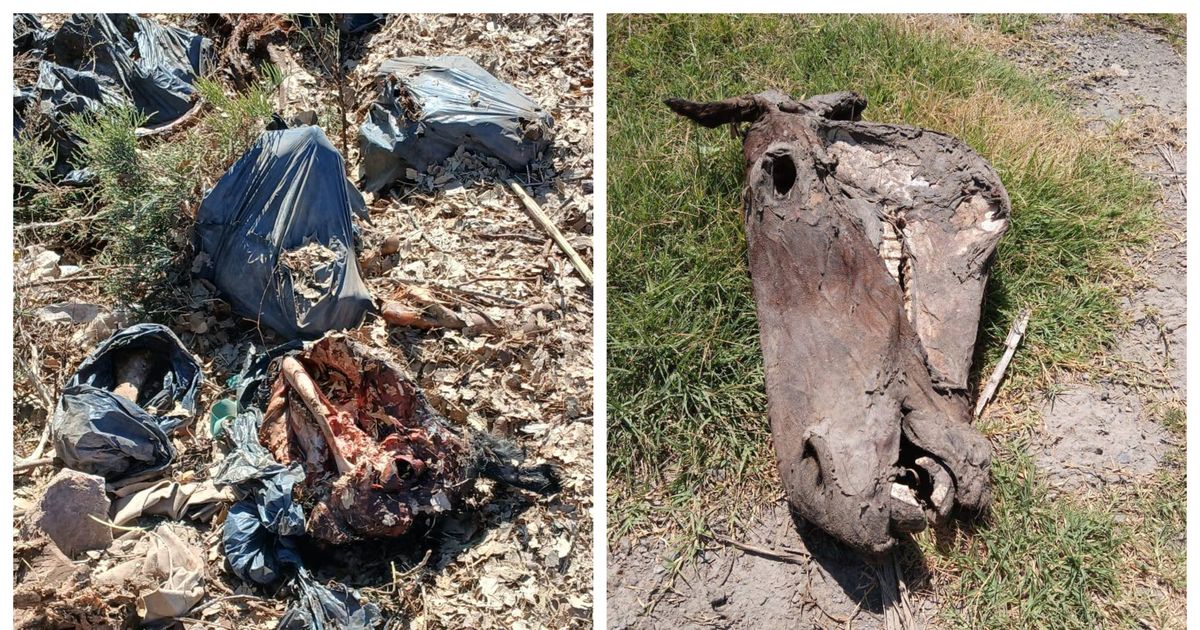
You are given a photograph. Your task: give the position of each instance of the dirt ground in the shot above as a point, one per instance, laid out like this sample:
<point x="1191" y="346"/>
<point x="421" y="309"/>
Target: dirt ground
<point x="1101" y="431"/>
<point x="522" y="561"/>
<point x="1096" y="431"/>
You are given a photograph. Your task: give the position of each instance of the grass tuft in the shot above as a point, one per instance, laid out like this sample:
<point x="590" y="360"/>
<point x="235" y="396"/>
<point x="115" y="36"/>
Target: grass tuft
<point x="1040" y="561"/>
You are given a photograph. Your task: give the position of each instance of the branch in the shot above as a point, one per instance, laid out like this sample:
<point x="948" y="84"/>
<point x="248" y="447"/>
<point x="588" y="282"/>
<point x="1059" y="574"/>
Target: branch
<point x="535" y="212"/>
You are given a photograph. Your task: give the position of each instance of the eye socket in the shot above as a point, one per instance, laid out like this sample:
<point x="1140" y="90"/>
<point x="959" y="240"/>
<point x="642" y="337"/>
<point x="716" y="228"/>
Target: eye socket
<point x="782" y="170"/>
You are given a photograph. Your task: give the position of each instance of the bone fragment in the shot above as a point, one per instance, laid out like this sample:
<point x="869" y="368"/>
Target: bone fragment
<point x="132" y="372"/>
<point x="941" y="497"/>
<point x="306" y="389"/>
<point x="1014" y="338"/>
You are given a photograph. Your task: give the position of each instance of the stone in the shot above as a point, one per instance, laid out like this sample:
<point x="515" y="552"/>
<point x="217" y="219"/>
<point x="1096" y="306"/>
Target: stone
<point x="63" y="512"/>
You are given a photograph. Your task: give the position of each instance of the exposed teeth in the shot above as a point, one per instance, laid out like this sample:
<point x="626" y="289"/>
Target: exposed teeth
<point x="941" y="498"/>
<point x="891" y="251"/>
<point x="901" y="492"/>
<point x="907" y="514"/>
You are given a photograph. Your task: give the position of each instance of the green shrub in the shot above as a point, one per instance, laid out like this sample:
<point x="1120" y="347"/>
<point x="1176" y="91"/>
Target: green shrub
<point x="149" y="189"/>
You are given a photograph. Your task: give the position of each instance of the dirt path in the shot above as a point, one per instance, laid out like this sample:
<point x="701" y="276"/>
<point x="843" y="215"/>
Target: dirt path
<point x="1096" y="431"/>
<point x="1099" y="431"/>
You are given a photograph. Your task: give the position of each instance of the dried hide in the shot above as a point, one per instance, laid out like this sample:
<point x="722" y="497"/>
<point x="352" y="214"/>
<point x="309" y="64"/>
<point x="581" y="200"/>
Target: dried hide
<point x="376" y="458"/>
<point x="869" y="246"/>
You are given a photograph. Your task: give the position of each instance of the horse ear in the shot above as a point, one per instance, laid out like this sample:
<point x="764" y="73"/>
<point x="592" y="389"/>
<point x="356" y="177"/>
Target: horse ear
<point x="835" y="106"/>
<point x="731" y="110"/>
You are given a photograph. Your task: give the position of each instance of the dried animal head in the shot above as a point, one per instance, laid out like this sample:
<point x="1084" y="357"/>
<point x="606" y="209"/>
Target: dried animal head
<point x="869" y="246"/>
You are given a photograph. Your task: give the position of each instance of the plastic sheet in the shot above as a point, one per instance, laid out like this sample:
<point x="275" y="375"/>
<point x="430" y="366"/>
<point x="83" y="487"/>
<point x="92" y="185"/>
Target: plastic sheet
<point x="29" y="36"/>
<point x="276" y="239"/>
<point x="430" y="106"/>
<point x="100" y="433"/>
<point x="148" y="65"/>
<point x="255" y="532"/>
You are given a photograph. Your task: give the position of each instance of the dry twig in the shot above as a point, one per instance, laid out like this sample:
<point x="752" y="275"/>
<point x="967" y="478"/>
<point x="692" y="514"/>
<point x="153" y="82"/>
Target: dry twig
<point x="789" y="555"/>
<point x="1014" y="338"/>
<point x="535" y="212"/>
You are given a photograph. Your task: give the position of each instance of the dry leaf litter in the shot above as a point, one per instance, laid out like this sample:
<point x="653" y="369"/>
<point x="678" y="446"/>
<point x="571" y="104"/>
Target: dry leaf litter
<point x="460" y="235"/>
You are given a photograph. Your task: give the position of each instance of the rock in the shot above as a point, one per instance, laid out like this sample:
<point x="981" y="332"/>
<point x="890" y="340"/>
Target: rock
<point x="306" y="117"/>
<point x="63" y="513"/>
<point x="390" y="245"/>
<point x="100" y="328"/>
<point x="38" y="263"/>
<point x="68" y="313"/>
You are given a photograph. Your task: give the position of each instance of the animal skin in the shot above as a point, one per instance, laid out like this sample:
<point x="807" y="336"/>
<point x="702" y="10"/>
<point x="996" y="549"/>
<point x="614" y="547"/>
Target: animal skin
<point x="869" y="246"/>
<point x="376" y="457"/>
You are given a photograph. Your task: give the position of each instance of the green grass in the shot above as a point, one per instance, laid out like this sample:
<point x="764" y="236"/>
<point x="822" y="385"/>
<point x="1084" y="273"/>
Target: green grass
<point x="1047" y="560"/>
<point x="687" y="424"/>
<point x="1043" y="562"/>
<point x="1016" y="24"/>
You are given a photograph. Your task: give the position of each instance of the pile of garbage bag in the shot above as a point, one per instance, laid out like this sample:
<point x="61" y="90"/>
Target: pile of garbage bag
<point x="428" y="107"/>
<point x="105" y="60"/>
<point x="323" y="442"/>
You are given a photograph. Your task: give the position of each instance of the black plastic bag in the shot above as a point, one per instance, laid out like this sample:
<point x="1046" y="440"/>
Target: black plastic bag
<point x="328" y="608"/>
<point x="101" y="433"/>
<point x="254" y="552"/>
<point x="285" y="200"/>
<point x="347" y="23"/>
<point x="28" y="34"/>
<point x="259" y="534"/>
<point x="150" y="65"/>
<point x="430" y="106"/>
<point x="104" y="60"/>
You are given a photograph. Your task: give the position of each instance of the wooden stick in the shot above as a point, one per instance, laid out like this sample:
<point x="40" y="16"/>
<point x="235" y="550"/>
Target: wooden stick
<point x="29" y="464"/>
<point x="49" y="224"/>
<point x="1167" y="155"/>
<point x="906" y="616"/>
<point x="1014" y="338"/>
<point x="36" y="378"/>
<point x="72" y="278"/>
<point x="535" y="212"/>
<point x="792" y="556"/>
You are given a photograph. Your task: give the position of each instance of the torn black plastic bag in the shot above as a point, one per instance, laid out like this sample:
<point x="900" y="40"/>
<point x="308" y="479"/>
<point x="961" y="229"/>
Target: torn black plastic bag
<point x="286" y="201"/>
<point x="98" y="61"/>
<point x="259" y="530"/>
<point x="98" y="432"/>
<point x="153" y="66"/>
<point x="256" y="532"/>
<point x="255" y="553"/>
<point x="430" y="106"/>
<point x="29" y="36"/>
